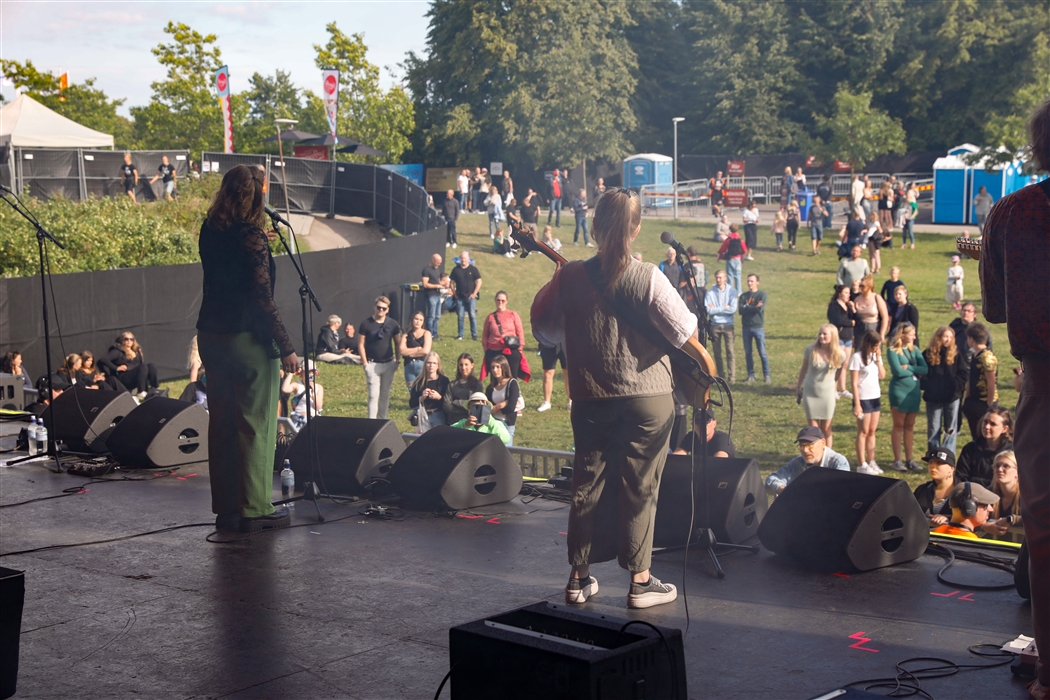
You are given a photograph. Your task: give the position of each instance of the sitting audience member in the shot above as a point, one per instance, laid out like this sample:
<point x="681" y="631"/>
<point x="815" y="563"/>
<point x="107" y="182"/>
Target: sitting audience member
<point x="718" y="443"/>
<point x="298" y="403"/>
<point x="934" y="494"/>
<point x="550" y="240"/>
<point x="348" y="344"/>
<point x="976" y="458"/>
<point x="503" y="392"/>
<point x="430" y="388"/>
<point x="813" y="452"/>
<point x="70" y="370"/>
<point x="48" y="389"/>
<point x="1007" y="511"/>
<point x="12" y="364"/>
<point x="197" y="390"/>
<point x="125" y="362"/>
<point x="971" y="504"/>
<point x="461" y="388"/>
<point x="90" y="375"/>
<point x="486" y="423"/>
<point x="328" y="344"/>
<point x="501" y="244"/>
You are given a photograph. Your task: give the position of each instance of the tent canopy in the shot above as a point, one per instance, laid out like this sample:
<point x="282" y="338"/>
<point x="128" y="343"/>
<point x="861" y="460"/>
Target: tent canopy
<point x="26" y="123"/>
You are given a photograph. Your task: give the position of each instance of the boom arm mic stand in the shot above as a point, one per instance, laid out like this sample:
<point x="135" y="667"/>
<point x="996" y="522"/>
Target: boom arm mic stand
<point x="42" y="236"/>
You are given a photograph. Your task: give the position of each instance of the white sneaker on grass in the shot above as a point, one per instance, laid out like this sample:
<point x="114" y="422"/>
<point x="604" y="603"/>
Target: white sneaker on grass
<point x="873" y="465"/>
<point x="866" y="469"/>
<point x="545" y="406"/>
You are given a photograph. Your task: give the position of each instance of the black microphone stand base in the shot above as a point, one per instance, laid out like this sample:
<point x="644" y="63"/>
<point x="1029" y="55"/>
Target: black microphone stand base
<point x="705" y="539"/>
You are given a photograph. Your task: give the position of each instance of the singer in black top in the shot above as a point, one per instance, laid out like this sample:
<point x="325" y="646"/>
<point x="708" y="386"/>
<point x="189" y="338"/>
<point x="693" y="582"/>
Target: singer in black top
<point x="240" y="337"/>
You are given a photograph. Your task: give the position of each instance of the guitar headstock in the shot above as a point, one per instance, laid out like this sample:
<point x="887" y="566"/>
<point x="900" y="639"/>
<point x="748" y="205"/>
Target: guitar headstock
<point x="528" y="243"/>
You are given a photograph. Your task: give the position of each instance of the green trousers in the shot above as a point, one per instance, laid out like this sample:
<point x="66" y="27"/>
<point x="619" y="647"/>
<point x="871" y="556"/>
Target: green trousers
<point x="621" y="448"/>
<point x="243" y="391"/>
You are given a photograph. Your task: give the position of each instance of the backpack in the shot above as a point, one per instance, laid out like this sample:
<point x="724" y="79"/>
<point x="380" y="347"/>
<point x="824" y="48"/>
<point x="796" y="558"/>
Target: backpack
<point x="735" y="248"/>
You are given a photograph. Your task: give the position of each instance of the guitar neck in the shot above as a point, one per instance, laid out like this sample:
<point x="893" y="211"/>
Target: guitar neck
<point x="528" y="242"/>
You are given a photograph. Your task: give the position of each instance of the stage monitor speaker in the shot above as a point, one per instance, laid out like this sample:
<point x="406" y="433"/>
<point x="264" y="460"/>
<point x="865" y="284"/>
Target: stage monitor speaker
<point x="455" y="468"/>
<point x="350" y="452"/>
<point x="835" y="520"/>
<point x="735" y="493"/>
<point x="161" y="433"/>
<point x="84" y="418"/>
<point x="556" y="652"/>
<point x="12" y="392"/>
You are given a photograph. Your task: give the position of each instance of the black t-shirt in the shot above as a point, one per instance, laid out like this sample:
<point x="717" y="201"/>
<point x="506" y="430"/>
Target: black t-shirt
<point x="824" y="192"/>
<point x="465" y="279"/>
<point x="379" y="338"/>
<point x="855" y="231"/>
<point x="433" y="276"/>
<point x="530" y="211"/>
<point x="168" y="171"/>
<point x="348" y="343"/>
<point x="719" y="442"/>
<point x="128" y="172"/>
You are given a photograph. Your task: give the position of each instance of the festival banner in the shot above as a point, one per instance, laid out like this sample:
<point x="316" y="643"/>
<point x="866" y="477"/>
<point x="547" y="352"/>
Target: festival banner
<point x="330" y="95"/>
<point x="735" y="168"/>
<point x="222" y="87"/>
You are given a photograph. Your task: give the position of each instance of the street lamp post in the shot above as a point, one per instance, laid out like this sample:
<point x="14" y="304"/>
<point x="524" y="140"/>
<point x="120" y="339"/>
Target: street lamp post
<point x="284" y="172"/>
<point x="674" y="165"/>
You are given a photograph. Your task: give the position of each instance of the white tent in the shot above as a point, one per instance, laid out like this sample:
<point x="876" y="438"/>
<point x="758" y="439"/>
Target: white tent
<point x="26" y="123"/>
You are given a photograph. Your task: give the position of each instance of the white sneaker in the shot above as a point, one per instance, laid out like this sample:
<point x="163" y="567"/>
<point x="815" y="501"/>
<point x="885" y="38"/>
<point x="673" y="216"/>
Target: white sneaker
<point x="509" y="255"/>
<point x="844" y="394"/>
<point x="653" y="593"/>
<point x="865" y="469"/>
<point x="590" y="245"/>
<point x="448" y="245"/>
<point x="453" y="246"/>
<point x="570" y="404"/>
<point x="545" y="406"/>
<point x="875" y="467"/>
<point x="579" y="590"/>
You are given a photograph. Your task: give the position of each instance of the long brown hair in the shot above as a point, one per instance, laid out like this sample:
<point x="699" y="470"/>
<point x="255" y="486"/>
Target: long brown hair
<point x="130" y="352"/>
<point x="937" y="344"/>
<point x="617" y="216"/>
<point x="239" y="199"/>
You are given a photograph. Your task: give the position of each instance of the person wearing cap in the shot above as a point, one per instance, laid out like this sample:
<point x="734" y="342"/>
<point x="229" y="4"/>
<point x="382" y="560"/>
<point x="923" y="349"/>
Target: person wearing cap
<point x="954" y="295"/>
<point x="968" y="517"/>
<point x="718" y="442"/>
<point x="299" y="402"/>
<point x="49" y="388"/>
<point x="813" y="452"/>
<point x="490" y="425"/>
<point x="933" y="495"/>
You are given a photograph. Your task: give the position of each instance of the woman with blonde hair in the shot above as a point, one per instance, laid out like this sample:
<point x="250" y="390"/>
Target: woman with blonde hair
<point x="430" y="389"/>
<point x="779" y="226"/>
<point x="125" y="361"/>
<point x="944" y="385"/>
<point x="815" y="388"/>
<point x="1005" y="484"/>
<point x="494" y="207"/>
<point x="871" y="309"/>
<point x="906" y="365"/>
<point x="622" y="410"/>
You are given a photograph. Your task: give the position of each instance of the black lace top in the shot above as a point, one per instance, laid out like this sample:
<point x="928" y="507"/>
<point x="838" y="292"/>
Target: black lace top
<point x="239" y="276"/>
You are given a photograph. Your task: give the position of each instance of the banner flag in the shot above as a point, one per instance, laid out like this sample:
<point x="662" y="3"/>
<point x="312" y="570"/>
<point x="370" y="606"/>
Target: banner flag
<point x="330" y="95"/>
<point x="222" y="87"/>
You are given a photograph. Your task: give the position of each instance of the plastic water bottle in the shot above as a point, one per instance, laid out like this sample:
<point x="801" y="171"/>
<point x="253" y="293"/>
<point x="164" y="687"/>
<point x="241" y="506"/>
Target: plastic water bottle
<point x="41" y="438"/>
<point x="31" y="437"/>
<point x="287" y="483"/>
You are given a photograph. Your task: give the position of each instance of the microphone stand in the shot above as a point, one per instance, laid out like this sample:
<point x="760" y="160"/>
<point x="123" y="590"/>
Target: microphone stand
<point x="42" y="235"/>
<point x="306" y="296"/>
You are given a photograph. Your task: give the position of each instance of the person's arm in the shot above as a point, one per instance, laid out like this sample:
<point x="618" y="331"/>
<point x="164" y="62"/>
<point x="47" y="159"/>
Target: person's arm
<point x="722" y="250"/>
<point x="256" y="248"/>
<point x="898" y="368"/>
<point x="839" y="279"/>
<point x="402" y="346"/>
<point x="414" y="395"/>
<point x="497" y="428"/>
<point x="806" y="357"/>
<point x="318" y="397"/>
<point x="711" y="300"/>
<point x="884" y="316"/>
<point x="731" y="307"/>
<point x="919" y="367"/>
<point x="778" y="480"/>
<point x="136" y="171"/>
<point x="287" y="384"/>
<point x="854" y="376"/>
<point x="519" y="329"/>
<point x="428" y="342"/>
<point x="361" y="346"/>
<point x="195" y="369"/>
<point x="989" y="381"/>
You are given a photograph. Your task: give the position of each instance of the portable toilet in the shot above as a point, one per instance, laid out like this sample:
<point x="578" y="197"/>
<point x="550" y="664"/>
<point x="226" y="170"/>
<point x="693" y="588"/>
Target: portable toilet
<point x="647" y="169"/>
<point x="951" y="178"/>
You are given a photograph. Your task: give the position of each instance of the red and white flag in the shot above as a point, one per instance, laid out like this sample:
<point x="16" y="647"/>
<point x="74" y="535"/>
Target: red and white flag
<point x="222" y="87"/>
<point x="330" y="95"/>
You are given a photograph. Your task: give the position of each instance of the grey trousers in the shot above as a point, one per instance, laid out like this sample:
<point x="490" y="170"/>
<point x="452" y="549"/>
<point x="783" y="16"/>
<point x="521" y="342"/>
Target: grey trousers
<point x="621" y="447"/>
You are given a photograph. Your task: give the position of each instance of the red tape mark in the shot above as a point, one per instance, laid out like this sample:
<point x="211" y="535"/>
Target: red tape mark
<point x="841" y="575"/>
<point x="944" y="595"/>
<point x="181" y="478"/>
<point x="563" y="533"/>
<point x="861" y="639"/>
<point x="189" y="475"/>
<point x="82" y="491"/>
<point x="468" y="517"/>
<point x="968" y="596"/>
<point x="493" y="521"/>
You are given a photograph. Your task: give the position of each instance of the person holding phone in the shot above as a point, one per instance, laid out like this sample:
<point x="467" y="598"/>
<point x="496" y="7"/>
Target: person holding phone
<point x="480" y="419"/>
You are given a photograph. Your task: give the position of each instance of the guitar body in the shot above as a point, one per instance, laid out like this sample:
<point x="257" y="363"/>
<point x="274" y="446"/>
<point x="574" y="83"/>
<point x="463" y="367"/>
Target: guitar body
<point x="692" y="366"/>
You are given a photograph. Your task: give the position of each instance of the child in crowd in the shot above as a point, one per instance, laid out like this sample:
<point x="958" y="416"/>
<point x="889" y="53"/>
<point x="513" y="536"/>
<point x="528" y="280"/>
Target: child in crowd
<point x="500" y="244"/>
<point x="954" y="294"/>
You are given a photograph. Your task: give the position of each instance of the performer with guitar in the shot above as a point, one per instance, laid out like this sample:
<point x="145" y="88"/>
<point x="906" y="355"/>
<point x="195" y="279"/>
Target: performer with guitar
<point x="618" y="320"/>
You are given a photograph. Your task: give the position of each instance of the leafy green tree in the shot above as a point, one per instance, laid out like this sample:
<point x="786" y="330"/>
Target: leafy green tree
<point x="1006" y="133"/>
<point x="184" y="111"/>
<point x="274" y="97"/>
<point x="857" y="132"/>
<point x="82" y="102"/>
<point x="367" y="113"/>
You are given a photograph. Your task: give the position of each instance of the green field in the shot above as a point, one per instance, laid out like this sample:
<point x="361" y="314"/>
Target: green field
<point x="767" y="417"/>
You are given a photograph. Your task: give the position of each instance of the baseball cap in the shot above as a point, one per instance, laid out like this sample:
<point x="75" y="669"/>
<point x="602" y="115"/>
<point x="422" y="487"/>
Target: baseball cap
<point x="983" y="496"/>
<point x="941" y="454"/>
<point x="955" y="258"/>
<point x="705" y="416"/>
<point x="478" y="396"/>
<point x="810" y="433"/>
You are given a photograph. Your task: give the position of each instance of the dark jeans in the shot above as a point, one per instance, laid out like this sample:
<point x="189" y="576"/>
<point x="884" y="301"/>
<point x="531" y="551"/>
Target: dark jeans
<point x="555" y="207"/>
<point x="581" y="222"/>
<point x="513" y="359"/>
<point x="758" y="335"/>
<point x="450" y="232"/>
<point x="974" y="409"/>
<point x="140" y="378"/>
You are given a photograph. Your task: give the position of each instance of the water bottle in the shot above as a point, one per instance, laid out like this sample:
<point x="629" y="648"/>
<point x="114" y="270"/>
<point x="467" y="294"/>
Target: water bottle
<point x="41" y="438"/>
<point x="287" y="482"/>
<point x="31" y="437"/>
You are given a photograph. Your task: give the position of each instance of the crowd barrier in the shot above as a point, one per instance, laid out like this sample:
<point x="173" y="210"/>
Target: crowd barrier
<point x="78" y="173"/>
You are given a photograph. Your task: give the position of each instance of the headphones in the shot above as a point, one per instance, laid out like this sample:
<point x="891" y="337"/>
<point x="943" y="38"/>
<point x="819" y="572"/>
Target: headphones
<point x="967" y="504"/>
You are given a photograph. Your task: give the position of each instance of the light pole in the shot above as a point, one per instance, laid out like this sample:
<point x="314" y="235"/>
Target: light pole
<point x="284" y="172"/>
<point x="674" y="165"/>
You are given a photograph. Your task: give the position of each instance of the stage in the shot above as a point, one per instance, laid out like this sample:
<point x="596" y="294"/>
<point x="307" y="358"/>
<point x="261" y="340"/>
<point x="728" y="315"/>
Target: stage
<point x="360" y="607"/>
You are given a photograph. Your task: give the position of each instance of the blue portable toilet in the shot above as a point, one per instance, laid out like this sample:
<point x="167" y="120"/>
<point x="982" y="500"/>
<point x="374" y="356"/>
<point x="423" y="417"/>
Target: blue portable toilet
<point x="647" y="169"/>
<point x="951" y="178"/>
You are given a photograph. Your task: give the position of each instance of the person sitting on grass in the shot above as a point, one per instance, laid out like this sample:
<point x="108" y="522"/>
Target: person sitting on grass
<point x="972" y="504"/>
<point x="482" y="420"/>
<point x="813" y="452"/>
<point x="934" y="494"/>
<point x="1007" y="513"/>
<point x="976" y="459"/>
<point x="718" y="442"/>
<point x="297" y="391"/>
<point x="328" y="345"/>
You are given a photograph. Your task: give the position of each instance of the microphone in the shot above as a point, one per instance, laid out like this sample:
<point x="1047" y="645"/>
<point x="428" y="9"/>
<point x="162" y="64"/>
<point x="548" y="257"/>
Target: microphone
<point x="275" y="216"/>
<point x="667" y="238"/>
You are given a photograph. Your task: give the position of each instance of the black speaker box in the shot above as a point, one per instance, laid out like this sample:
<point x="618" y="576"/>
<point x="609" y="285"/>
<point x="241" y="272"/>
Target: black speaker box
<point x="12" y="599"/>
<point x="546" y="650"/>
<point x="12" y="392"/>
<point x="455" y="468"/>
<point x="161" y="433"/>
<point x="84" y="418"/>
<point x="735" y="495"/>
<point x="349" y="452"/>
<point x="835" y="520"/>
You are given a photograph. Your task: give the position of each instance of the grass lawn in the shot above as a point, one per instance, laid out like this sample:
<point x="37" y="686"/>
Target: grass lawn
<point x="767" y="418"/>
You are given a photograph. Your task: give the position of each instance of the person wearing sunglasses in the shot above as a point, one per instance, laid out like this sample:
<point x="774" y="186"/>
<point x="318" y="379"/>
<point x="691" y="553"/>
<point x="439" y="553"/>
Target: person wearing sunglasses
<point x="244" y="345"/>
<point x="378" y="343"/>
<point x="125" y="362"/>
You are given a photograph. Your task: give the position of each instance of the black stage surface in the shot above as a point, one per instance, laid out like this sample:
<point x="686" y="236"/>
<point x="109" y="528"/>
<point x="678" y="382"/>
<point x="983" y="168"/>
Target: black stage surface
<point x="360" y="608"/>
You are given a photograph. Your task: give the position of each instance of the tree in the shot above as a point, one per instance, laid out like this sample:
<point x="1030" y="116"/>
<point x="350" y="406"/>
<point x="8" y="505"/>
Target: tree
<point x="184" y="111"/>
<point x="268" y="98"/>
<point x="367" y="113"/>
<point x="857" y="131"/>
<point x="83" y="103"/>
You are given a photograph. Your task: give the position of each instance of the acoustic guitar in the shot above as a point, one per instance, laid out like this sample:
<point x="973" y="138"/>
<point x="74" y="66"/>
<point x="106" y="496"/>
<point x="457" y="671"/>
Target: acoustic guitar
<point x="692" y="366"/>
<point x="969" y="246"/>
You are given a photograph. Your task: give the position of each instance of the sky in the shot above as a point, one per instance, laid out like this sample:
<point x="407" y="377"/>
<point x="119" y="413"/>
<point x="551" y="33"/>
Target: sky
<point x="111" y="41"/>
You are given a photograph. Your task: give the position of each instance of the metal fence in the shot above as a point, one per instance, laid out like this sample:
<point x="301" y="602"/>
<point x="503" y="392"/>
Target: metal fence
<point x="79" y="173"/>
<point x="366" y="191"/>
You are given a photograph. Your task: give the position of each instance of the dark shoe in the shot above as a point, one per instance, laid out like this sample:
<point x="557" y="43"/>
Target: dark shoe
<point x="580" y="589"/>
<point x="650" y="594"/>
<point x="228" y="522"/>
<point x="277" y="519"/>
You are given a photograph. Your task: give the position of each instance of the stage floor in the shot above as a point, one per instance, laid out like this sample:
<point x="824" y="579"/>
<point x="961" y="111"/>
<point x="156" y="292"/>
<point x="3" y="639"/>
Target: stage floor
<point x="360" y="608"/>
